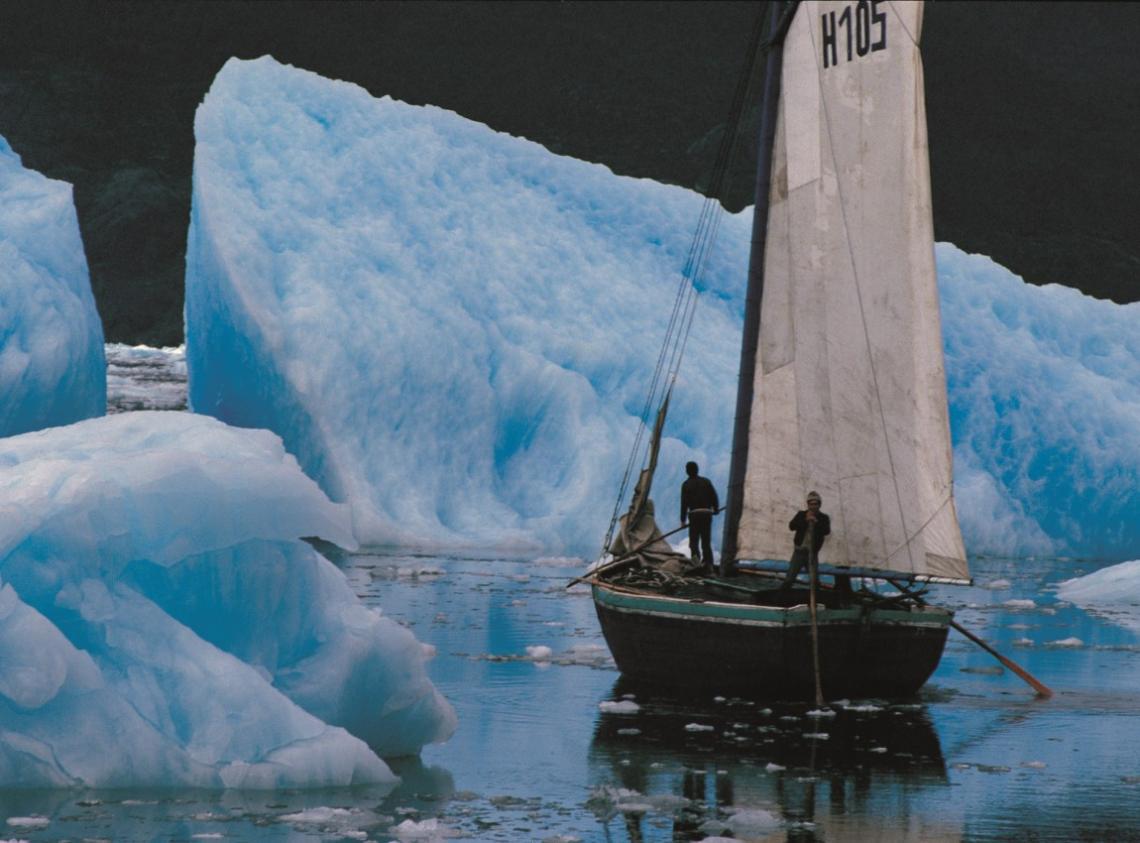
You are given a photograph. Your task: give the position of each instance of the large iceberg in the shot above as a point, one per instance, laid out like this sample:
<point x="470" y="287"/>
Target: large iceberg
<point x="451" y="328"/>
<point x="161" y="622"/>
<point x="453" y="331"/>
<point x="52" y="369"/>
<point x="1044" y="386"/>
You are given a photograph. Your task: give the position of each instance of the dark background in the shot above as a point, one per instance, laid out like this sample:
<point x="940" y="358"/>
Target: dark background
<point x="1033" y="110"/>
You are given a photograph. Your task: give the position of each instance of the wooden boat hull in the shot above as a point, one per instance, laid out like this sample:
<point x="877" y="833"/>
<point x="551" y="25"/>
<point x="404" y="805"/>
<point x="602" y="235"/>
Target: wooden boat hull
<point x="765" y="651"/>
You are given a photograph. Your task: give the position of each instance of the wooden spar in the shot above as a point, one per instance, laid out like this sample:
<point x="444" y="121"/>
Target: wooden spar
<point x="628" y="557"/>
<point x="813" y="567"/>
<point x="1041" y="689"/>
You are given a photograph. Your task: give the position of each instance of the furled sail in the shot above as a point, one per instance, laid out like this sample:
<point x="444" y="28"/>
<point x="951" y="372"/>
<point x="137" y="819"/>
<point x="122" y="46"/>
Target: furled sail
<point x="849" y="392"/>
<point x="638" y="534"/>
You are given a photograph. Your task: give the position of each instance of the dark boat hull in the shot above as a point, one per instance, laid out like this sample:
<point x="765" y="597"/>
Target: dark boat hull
<point x="766" y="651"/>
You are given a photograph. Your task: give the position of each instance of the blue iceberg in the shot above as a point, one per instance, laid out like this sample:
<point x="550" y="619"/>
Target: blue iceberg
<point x="162" y="624"/>
<point x="52" y="369"/>
<point x="451" y="328"/>
<point x="1044" y="387"/>
<point x="453" y="331"/>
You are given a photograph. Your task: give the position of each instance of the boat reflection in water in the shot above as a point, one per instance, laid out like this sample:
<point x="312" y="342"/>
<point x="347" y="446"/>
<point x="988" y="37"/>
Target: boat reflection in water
<point x="679" y="768"/>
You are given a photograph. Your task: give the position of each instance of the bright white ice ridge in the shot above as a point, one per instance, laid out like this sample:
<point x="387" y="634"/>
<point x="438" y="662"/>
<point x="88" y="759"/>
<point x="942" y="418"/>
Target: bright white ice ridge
<point x="51" y="340"/>
<point x="161" y="623"/>
<point x="453" y="330"/>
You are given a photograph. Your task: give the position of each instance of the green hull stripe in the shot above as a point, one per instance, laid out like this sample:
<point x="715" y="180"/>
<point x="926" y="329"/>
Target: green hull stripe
<point x="735" y="613"/>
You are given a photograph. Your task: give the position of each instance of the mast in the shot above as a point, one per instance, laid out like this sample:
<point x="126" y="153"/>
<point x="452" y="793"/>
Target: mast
<point x="779" y="16"/>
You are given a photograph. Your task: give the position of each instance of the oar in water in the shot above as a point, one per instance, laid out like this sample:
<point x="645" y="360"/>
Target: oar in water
<point x="626" y="557"/>
<point x="1041" y="689"/>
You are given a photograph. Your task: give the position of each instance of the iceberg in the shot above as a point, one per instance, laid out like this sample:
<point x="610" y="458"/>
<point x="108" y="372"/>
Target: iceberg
<point x="451" y="328"/>
<point x="52" y="370"/>
<point x="453" y="331"/>
<point x="161" y="623"/>
<point x="1044" y="388"/>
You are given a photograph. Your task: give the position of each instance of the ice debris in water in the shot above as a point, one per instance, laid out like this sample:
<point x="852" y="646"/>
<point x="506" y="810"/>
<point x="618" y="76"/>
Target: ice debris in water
<point x="699" y="727"/>
<point x="619" y="707"/>
<point x="431" y="829"/>
<point x="29" y="822"/>
<point x="1020" y="604"/>
<point x="1066" y="643"/>
<point x="539" y="653"/>
<point x="52" y="367"/>
<point x="161" y="623"/>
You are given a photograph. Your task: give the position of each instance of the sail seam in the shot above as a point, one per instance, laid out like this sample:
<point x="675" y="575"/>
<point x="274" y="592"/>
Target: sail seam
<point x="862" y="314"/>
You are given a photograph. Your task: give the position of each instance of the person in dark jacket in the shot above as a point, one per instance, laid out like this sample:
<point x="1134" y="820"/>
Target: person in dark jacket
<point x="801" y="523"/>
<point x="698" y="505"/>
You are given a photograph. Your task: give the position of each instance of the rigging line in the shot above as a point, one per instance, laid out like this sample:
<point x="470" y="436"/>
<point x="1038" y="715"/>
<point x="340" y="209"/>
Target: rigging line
<point x="902" y="23"/>
<point x="684" y="306"/>
<point x="859" y="296"/>
<point x="910" y="539"/>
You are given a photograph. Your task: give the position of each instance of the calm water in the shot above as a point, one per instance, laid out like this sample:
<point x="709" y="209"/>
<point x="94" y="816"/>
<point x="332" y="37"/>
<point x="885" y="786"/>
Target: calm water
<point x="552" y="745"/>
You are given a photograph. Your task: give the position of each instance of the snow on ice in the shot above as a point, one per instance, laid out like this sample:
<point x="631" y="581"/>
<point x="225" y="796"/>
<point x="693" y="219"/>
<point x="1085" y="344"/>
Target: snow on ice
<point x="161" y="622"/>
<point x="52" y="370"/>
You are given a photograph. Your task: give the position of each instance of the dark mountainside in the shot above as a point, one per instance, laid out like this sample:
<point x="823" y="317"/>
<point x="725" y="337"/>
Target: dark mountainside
<point x="1033" y="112"/>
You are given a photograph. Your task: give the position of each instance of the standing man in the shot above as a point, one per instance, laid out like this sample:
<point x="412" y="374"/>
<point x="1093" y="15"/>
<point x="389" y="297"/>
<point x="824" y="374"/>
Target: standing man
<point x="698" y="505"/>
<point x="802" y="523"/>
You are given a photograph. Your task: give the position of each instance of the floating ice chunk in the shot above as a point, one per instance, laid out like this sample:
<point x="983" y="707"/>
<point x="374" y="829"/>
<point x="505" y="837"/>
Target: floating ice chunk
<point x="997" y="585"/>
<point x="821" y="712"/>
<point x="539" y="653"/>
<point x="619" y="707"/>
<point x="430" y="829"/>
<point x="589" y="655"/>
<point x="1017" y="603"/>
<point x="1023" y="642"/>
<point x="817" y="736"/>
<point x="862" y="708"/>
<point x="1070" y="643"/>
<point x="29" y="822"/>
<point x="773" y="767"/>
<point x="1035" y="765"/>
<point x="321" y="814"/>
<point x="52" y="368"/>
<point x="699" y="727"/>
<point x="1115" y="585"/>
<point x="753" y="822"/>
<point x="183" y="635"/>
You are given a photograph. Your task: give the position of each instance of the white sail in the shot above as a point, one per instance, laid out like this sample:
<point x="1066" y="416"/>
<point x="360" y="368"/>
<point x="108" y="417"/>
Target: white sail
<point x="850" y="391"/>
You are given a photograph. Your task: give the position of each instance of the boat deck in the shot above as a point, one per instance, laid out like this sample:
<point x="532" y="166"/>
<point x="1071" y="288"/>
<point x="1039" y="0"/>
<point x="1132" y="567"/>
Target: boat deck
<point x="750" y="588"/>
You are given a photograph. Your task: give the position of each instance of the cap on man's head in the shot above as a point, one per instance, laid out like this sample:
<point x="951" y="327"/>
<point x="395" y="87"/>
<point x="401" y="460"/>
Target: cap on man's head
<point x="691" y="468"/>
<point x="814" y="496"/>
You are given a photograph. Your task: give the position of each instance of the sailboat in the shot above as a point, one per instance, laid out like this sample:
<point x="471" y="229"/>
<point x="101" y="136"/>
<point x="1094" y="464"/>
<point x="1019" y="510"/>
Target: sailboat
<point x="841" y="390"/>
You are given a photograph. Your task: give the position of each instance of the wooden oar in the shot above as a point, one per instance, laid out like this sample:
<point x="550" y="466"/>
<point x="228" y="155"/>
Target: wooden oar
<point x="813" y="577"/>
<point x="626" y="557"/>
<point x="1042" y="690"/>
